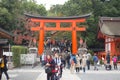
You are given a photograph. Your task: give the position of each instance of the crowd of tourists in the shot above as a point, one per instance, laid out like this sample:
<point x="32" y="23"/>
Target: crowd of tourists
<point x="55" y="63"/>
<point x="59" y="61"/>
<point x="58" y="46"/>
<point x="62" y="58"/>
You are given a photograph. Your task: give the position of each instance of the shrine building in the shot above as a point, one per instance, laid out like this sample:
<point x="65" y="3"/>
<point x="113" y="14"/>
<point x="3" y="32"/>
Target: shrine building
<point x="109" y="30"/>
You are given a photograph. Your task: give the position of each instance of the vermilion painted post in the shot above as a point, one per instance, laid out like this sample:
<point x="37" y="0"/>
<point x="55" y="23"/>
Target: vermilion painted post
<point x="74" y="40"/>
<point x="41" y="39"/>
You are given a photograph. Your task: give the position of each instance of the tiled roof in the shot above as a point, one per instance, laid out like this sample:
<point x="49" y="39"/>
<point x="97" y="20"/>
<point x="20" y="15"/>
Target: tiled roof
<point x="58" y="18"/>
<point x="5" y="34"/>
<point x="110" y="26"/>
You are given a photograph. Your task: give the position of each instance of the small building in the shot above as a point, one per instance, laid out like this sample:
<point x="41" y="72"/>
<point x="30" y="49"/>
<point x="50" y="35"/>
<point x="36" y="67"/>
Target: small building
<point x="4" y="40"/>
<point x="109" y="30"/>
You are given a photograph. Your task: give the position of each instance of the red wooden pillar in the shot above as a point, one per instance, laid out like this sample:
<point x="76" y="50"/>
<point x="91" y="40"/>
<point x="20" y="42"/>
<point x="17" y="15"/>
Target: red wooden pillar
<point x="74" y="40"/>
<point x="41" y="39"/>
<point x="113" y="51"/>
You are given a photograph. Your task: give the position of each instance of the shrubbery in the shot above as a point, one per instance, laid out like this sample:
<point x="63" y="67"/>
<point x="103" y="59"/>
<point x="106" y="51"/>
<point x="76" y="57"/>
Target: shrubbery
<point x="17" y="50"/>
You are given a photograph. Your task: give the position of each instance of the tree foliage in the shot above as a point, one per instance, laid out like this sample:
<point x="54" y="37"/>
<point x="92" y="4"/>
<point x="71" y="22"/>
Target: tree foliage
<point x="76" y="7"/>
<point x="12" y="12"/>
<point x="55" y="10"/>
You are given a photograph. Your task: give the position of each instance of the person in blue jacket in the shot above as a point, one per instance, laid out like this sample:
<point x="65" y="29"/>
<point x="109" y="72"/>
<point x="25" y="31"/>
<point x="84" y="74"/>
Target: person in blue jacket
<point x="95" y="60"/>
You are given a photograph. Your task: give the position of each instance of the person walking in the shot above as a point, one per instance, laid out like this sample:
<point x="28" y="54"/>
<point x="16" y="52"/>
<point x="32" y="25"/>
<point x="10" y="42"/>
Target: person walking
<point x="51" y="65"/>
<point x="115" y="62"/>
<point x="88" y="60"/>
<point x="43" y="59"/>
<point x="95" y="60"/>
<point x="3" y="67"/>
<point x="108" y="57"/>
<point x="58" y="69"/>
<point x="68" y="60"/>
<point x="72" y="63"/>
<point x="77" y="65"/>
<point x="57" y="59"/>
<point x="81" y="56"/>
<point x="84" y="60"/>
<point x="108" y="64"/>
<point x="63" y="61"/>
<point x="62" y="65"/>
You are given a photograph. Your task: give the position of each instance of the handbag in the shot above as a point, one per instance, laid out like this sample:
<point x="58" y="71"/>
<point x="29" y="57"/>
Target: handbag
<point x="48" y="70"/>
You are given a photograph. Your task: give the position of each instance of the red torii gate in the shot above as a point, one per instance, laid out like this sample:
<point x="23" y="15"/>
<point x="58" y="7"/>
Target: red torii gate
<point x="58" y="20"/>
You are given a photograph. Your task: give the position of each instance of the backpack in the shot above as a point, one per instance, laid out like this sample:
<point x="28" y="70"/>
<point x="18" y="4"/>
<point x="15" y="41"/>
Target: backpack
<point x="95" y="58"/>
<point x="114" y="59"/>
<point x="2" y="64"/>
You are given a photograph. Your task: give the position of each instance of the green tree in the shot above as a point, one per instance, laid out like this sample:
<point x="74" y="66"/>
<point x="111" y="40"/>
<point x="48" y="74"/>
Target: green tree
<point x="55" y="10"/>
<point x="32" y="8"/>
<point x="5" y="18"/>
<point x="12" y="12"/>
<point x="76" y="7"/>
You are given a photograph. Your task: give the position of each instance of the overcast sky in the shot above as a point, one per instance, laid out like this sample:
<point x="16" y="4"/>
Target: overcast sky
<point x="48" y="3"/>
